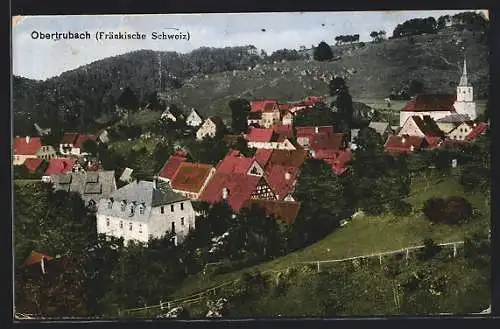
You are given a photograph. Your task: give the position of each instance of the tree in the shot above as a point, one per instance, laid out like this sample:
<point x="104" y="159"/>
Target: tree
<point x="457" y="210"/>
<point x="161" y="153"/>
<point x="90" y="147"/>
<point x="319" y="115"/>
<point x="209" y="150"/>
<point x="128" y="100"/>
<point x="323" y="52"/>
<point x="374" y="36"/>
<point x="240" y="108"/>
<point x="343" y="103"/>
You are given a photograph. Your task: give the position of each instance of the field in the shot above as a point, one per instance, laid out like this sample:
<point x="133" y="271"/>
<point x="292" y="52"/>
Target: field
<point x="366" y="235"/>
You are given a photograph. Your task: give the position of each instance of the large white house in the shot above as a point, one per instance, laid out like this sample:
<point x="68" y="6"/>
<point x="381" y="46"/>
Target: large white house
<point x="143" y="210"/>
<point x="439" y="106"/>
<point x="194" y="119"/>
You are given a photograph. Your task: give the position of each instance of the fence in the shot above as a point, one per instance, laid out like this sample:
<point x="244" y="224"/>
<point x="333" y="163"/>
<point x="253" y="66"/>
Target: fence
<point x="198" y="297"/>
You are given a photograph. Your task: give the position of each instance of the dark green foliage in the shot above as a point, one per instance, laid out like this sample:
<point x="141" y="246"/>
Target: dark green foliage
<point x="319" y="115"/>
<point x="241" y="145"/>
<point x="430" y="250"/>
<point x="209" y="150"/>
<point x="285" y="54"/>
<point x="415" y="26"/>
<point x="323" y="52"/>
<point x="161" y="154"/>
<point x="90" y="147"/>
<point x="240" y="108"/>
<point x="342" y="103"/>
<point x="400" y="208"/>
<point x="452" y="210"/>
<point x="476" y="173"/>
<point x="341" y="39"/>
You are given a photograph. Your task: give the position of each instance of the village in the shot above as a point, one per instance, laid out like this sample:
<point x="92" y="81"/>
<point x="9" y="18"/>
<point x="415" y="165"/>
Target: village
<point x="141" y="209"/>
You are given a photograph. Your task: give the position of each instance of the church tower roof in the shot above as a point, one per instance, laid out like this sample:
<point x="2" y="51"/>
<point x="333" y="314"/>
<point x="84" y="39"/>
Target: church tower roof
<point x="464" y="81"/>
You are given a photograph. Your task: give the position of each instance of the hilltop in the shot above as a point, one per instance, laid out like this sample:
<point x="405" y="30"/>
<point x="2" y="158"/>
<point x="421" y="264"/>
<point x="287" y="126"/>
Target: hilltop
<point x="208" y="78"/>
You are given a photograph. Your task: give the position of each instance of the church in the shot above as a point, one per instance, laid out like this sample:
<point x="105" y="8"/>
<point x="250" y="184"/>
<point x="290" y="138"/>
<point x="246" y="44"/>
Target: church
<point x="439" y="106"/>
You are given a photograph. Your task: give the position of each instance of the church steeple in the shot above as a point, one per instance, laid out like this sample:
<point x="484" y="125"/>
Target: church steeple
<point x="464" y="82"/>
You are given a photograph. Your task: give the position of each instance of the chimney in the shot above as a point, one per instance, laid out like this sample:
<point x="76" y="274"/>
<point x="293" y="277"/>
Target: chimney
<point x="316" y="130"/>
<point x="288" y="176"/>
<point x="225" y="193"/>
<point x="28" y="139"/>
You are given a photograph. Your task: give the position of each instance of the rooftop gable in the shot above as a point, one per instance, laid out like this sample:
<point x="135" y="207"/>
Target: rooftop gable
<point x="27" y="145"/>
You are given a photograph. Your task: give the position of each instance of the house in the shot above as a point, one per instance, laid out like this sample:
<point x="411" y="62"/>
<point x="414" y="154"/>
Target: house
<point x="33" y="164"/>
<point x="259" y="105"/>
<point x="338" y="160"/>
<point x="126" y="175"/>
<point x="282" y="181"/>
<point x="91" y="185"/>
<point x="479" y="129"/>
<point x="382" y="128"/>
<point x="281" y="210"/>
<point x="46" y="152"/>
<point x="420" y="127"/>
<point x="254" y="118"/>
<point x="438" y="106"/>
<point x="210" y="128"/>
<point x="287" y="158"/>
<point x="72" y="143"/>
<point x="237" y="179"/>
<point x="194" y="119"/>
<point x="170" y="167"/>
<point x="25" y="148"/>
<point x="58" y="166"/>
<point x="304" y="134"/>
<point x="396" y="144"/>
<point x="267" y="138"/>
<point x="262" y="156"/>
<point x="325" y="142"/>
<point x="172" y="113"/>
<point x="271" y="115"/>
<point x="287" y="118"/>
<point x="143" y="210"/>
<point x="190" y="179"/>
<point x="461" y="131"/>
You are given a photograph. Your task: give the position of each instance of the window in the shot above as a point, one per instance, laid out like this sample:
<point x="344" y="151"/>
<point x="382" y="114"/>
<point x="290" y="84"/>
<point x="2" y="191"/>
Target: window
<point x="140" y="228"/>
<point x="173" y="227"/>
<point x="182" y="221"/>
<point x="130" y="226"/>
<point x="121" y="224"/>
<point x="162" y="210"/>
<point x="182" y="206"/>
<point x="171" y="208"/>
<point x="107" y="221"/>
<point x="141" y="209"/>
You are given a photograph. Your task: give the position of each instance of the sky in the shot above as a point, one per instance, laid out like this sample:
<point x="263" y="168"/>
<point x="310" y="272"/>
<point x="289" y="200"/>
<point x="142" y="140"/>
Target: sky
<point x="42" y="59"/>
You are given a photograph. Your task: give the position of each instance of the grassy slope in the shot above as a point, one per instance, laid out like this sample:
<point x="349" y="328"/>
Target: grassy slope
<point x="434" y="59"/>
<point x="365" y="235"/>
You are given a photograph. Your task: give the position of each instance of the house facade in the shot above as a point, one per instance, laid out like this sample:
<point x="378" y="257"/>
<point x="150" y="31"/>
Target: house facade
<point x="143" y="210"/>
<point x="271" y="115"/>
<point x="47" y="152"/>
<point x="461" y="131"/>
<point x="194" y="119"/>
<point x="210" y="128"/>
<point x="72" y="143"/>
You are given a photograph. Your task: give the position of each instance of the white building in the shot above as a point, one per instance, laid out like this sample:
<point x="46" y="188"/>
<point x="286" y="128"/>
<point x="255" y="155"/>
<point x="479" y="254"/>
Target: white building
<point x="210" y="128"/>
<point x="194" y="119"/>
<point x="439" y="106"/>
<point x="143" y="210"/>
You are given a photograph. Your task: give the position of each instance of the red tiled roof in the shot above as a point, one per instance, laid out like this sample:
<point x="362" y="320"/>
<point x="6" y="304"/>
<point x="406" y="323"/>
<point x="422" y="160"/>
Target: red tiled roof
<point x="427" y="126"/>
<point x="263" y="156"/>
<point x="398" y="144"/>
<point x="69" y="138"/>
<point x="190" y="177"/>
<point x="478" y="130"/>
<point x="258" y="105"/>
<point x="326" y="141"/>
<point x="277" y="180"/>
<point x="59" y="166"/>
<point x="433" y="142"/>
<point x="234" y="162"/>
<point x="316" y="99"/>
<point x="285" y="107"/>
<point x="32" y="164"/>
<point x="260" y="135"/>
<point x="308" y="131"/>
<point x="82" y="139"/>
<point x="427" y="103"/>
<point x="171" y="166"/>
<point x="288" y="158"/>
<point x="35" y="258"/>
<point x="240" y="187"/>
<point x="284" y="130"/>
<point x="21" y="147"/>
<point x="282" y="210"/>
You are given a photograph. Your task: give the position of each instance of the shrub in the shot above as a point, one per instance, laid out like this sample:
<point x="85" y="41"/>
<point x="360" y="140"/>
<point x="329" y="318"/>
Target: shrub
<point x="434" y="209"/>
<point x="401" y="208"/>
<point x="430" y="250"/>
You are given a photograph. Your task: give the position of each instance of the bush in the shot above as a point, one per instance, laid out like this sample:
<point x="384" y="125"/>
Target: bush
<point x="430" y="250"/>
<point x="453" y="210"/>
<point x="401" y="208"/>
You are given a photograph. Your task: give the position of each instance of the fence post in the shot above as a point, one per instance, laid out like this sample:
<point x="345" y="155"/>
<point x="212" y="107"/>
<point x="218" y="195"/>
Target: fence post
<point x="407" y="255"/>
<point x="454" y="250"/>
<point x="380" y="259"/>
<point x="319" y="270"/>
<point x="161" y="305"/>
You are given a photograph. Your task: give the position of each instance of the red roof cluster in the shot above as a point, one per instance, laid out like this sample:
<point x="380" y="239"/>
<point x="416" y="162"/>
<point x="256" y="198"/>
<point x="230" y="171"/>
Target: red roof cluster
<point x="332" y="142"/>
<point x="282" y="179"/>
<point x="27" y="145"/>
<point x="286" y="131"/>
<point x="309" y="131"/>
<point x="235" y="162"/>
<point x="59" y="166"/>
<point x="36" y="257"/>
<point x="428" y="103"/>
<point x="76" y="139"/>
<point x="173" y="163"/>
<point x="263" y="156"/>
<point x="478" y="130"/>
<point x="32" y="164"/>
